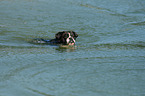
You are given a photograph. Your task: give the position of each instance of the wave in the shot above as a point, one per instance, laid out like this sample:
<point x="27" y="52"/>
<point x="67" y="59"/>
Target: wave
<point x="137" y="45"/>
<point x="138" y="23"/>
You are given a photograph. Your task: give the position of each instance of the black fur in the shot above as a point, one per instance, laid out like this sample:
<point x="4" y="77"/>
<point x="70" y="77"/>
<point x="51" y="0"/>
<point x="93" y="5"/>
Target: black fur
<point x="63" y="37"/>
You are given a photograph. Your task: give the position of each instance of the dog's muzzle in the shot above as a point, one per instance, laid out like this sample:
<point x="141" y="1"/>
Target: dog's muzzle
<point x="70" y="40"/>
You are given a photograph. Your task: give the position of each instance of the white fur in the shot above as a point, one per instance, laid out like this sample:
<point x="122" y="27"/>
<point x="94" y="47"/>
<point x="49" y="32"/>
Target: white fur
<point x="67" y="40"/>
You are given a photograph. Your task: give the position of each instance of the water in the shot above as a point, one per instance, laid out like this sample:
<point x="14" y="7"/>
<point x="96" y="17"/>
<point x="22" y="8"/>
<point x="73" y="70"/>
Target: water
<point x="109" y="59"/>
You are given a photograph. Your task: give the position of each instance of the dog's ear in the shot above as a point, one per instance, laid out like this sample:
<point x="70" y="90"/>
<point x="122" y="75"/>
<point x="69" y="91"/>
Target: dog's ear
<point x="75" y="35"/>
<point x="58" y="35"/>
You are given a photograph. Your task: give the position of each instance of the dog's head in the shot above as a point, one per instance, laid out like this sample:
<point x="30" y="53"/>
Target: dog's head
<point x="66" y="37"/>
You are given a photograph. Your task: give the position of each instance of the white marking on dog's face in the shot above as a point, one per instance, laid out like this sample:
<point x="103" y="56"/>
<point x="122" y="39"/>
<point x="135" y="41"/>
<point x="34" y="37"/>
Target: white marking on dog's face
<point x="70" y="40"/>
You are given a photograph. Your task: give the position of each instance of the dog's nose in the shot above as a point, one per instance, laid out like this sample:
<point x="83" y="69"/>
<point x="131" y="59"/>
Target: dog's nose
<point x="71" y="40"/>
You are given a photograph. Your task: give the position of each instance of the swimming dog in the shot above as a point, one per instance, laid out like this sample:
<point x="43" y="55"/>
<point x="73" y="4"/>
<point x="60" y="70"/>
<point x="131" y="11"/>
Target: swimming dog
<point x="62" y="37"/>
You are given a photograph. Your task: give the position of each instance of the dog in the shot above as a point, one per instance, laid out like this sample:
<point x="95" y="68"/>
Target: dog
<point x="62" y="37"/>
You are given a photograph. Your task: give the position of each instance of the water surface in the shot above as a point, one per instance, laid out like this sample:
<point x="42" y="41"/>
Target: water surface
<point x="109" y="59"/>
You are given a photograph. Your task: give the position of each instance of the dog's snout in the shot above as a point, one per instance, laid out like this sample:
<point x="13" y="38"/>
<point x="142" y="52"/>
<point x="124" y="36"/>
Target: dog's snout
<point x="72" y="40"/>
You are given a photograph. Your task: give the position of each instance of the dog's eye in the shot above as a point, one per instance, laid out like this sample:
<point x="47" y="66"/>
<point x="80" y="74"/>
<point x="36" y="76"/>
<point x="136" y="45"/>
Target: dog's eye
<point x="66" y="35"/>
<point x="72" y="35"/>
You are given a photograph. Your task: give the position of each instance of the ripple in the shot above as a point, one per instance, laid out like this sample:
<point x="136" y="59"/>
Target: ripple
<point x="38" y="92"/>
<point x="138" y="23"/>
<point x="140" y="45"/>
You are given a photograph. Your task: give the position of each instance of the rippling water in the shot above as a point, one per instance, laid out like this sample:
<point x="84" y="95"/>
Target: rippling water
<point x="109" y="59"/>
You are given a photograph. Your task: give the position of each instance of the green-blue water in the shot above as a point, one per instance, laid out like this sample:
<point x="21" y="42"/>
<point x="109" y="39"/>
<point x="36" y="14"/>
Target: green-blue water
<point x="109" y="59"/>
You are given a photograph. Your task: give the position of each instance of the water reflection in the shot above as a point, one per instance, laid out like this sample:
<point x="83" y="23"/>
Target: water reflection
<point x="66" y="48"/>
